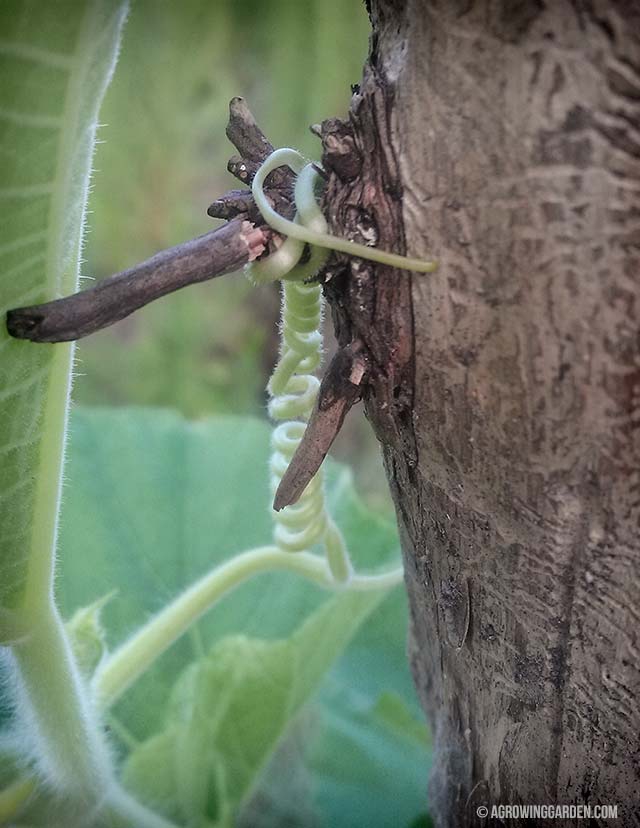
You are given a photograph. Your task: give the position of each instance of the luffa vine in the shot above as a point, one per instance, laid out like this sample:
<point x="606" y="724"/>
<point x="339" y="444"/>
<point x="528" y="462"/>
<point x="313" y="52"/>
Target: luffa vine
<point x="293" y="389"/>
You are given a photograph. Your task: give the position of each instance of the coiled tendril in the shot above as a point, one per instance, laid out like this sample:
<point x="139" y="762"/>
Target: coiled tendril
<point x="293" y="387"/>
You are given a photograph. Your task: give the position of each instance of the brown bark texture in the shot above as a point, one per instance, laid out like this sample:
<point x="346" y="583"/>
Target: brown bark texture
<point x="504" y="138"/>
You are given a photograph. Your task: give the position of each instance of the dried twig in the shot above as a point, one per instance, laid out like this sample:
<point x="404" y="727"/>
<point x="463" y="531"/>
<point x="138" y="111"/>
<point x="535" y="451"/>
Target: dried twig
<point x="234" y="203"/>
<point x="245" y="134"/>
<point x="213" y="254"/>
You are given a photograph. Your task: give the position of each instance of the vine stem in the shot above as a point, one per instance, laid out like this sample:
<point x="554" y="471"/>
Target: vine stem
<point x="66" y="732"/>
<point x="126" y="664"/>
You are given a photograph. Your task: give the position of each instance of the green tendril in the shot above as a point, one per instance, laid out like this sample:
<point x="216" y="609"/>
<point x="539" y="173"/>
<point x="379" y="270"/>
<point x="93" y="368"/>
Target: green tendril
<point x="313" y="231"/>
<point x="293" y="387"/>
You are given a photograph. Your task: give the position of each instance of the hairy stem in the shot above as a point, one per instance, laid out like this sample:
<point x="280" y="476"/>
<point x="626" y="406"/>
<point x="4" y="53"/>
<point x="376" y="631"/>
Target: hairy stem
<point x="136" y="655"/>
<point x="71" y="753"/>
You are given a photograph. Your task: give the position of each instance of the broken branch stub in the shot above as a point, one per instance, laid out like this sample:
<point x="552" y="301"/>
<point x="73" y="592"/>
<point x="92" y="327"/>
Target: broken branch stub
<point x="340" y="389"/>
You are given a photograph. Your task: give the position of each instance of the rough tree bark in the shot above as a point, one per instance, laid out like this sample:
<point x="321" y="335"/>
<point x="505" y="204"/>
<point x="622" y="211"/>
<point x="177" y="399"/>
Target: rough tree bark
<point x="504" y="137"/>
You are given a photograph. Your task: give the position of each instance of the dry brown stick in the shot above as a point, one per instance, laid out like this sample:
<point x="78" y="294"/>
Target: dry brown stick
<point x="245" y="134"/>
<point x="340" y="389"/>
<point x="221" y="251"/>
<point x="234" y="203"/>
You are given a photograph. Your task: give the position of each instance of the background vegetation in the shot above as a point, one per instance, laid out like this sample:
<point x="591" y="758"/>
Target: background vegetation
<point x="163" y="159"/>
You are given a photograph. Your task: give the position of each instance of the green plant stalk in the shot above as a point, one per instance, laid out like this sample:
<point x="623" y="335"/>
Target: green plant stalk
<point x="126" y="664"/>
<point x="130" y="661"/>
<point x="71" y="752"/>
<point x="60" y="734"/>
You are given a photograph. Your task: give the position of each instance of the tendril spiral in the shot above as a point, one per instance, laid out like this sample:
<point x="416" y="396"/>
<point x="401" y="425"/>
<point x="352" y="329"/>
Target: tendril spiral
<point x="293" y="388"/>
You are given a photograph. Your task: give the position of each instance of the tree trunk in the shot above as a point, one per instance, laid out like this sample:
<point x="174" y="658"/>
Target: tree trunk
<point x="504" y="138"/>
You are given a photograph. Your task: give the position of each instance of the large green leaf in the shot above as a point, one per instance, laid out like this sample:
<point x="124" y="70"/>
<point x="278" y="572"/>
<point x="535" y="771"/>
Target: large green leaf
<point x="152" y="503"/>
<point x="55" y="62"/>
<point x="365" y="754"/>
<point x="231" y="708"/>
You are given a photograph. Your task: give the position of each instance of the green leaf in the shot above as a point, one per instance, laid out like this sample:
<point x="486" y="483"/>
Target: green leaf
<point x="55" y="62"/>
<point x="230" y="709"/>
<point x="153" y="502"/>
<point x="366" y="750"/>
<point x="392" y="712"/>
<point x="369" y="769"/>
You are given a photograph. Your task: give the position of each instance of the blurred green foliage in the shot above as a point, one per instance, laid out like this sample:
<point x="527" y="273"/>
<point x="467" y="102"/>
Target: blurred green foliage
<point x="163" y="160"/>
<point x="214" y="723"/>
